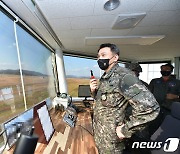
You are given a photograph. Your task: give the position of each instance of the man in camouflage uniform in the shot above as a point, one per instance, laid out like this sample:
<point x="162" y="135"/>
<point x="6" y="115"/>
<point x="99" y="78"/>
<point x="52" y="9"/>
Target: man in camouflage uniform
<point x="136" y="68"/>
<point x="143" y="134"/>
<point x="118" y="87"/>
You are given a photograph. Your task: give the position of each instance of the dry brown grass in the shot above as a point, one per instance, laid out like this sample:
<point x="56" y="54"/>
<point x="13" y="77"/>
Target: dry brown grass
<point x="36" y="91"/>
<point x="9" y="80"/>
<point x="73" y="84"/>
<point x="35" y="88"/>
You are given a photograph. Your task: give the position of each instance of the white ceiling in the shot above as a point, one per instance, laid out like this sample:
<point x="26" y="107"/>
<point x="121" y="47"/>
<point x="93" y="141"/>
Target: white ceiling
<point x="75" y="20"/>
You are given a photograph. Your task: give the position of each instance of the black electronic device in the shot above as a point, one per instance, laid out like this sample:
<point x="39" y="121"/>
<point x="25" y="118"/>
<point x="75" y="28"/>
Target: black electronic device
<point x="92" y="76"/>
<point x="24" y="122"/>
<point x="26" y="143"/>
<point x="70" y="116"/>
<point x="20" y="124"/>
<point x="84" y="91"/>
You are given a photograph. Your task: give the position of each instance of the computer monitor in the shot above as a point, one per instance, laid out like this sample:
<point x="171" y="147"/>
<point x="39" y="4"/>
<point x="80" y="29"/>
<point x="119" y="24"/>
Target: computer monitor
<point x="38" y="117"/>
<point x="20" y="124"/>
<point x="84" y="91"/>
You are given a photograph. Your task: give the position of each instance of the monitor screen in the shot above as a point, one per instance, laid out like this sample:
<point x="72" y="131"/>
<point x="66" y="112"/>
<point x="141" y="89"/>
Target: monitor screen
<point x="84" y="91"/>
<point x="23" y="123"/>
<point x="45" y="121"/>
<point x="19" y="124"/>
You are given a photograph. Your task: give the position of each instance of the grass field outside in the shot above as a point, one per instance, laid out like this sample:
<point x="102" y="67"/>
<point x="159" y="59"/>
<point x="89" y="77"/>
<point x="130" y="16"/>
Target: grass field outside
<point x="73" y="84"/>
<point x="37" y="88"/>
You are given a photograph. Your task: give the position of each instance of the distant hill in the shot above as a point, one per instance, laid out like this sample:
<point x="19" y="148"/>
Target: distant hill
<point x="25" y="72"/>
<point x="74" y="76"/>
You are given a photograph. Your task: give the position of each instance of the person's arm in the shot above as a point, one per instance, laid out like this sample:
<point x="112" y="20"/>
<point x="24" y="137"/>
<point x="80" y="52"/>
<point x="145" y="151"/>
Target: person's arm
<point x="179" y="89"/>
<point x="171" y="96"/>
<point x="151" y="86"/>
<point x="144" y="105"/>
<point x="93" y="87"/>
<point x="93" y="94"/>
<point x="176" y="96"/>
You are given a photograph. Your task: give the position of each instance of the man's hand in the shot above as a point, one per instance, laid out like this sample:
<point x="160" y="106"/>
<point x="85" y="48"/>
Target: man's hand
<point x="118" y="132"/>
<point x="172" y="96"/>
<point x="93" y="85"/>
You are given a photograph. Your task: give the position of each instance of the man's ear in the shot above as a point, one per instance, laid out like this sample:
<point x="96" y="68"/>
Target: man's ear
<point x="116" y="57"/>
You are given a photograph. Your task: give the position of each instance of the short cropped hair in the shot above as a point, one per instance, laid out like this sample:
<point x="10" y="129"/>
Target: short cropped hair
<point x="113" y="48"/>
<point x="169" y="65"/>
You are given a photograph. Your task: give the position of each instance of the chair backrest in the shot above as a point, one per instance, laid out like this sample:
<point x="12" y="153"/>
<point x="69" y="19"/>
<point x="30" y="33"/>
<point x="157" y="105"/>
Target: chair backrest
<point x="175" y="110"/>
<point x="169" y="132"/>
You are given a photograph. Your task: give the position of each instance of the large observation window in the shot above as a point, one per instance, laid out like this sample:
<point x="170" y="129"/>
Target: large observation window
<point x="78" y="72"/>
<point x="150" y="71"/>
<point x="11" y="98"/>
<point x="19" y="92"/>
<point x="37" y="71"/>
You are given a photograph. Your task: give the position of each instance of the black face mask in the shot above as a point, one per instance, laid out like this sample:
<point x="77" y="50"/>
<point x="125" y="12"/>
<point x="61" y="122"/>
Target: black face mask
<point x="103" y="63"/>
<point x="166" y="73"/>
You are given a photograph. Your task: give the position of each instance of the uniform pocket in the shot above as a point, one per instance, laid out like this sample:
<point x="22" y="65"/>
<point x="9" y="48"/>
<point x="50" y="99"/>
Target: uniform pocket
<point x="111" y="99"/>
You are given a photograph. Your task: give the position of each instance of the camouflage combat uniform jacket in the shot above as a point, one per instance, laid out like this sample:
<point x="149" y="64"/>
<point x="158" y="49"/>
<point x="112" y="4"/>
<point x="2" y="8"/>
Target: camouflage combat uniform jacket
<point x="118" y="88"/>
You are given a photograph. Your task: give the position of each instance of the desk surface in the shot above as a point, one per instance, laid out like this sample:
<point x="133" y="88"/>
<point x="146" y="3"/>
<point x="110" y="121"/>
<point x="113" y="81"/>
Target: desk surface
<point x="67" y="140"/>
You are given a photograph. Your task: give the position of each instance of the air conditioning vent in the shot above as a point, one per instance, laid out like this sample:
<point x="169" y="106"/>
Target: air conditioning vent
<point x="125" y="21"/>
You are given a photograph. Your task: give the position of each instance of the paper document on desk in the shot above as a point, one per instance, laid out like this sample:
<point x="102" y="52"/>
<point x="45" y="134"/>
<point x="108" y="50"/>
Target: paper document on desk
<point x="45" y="122"/>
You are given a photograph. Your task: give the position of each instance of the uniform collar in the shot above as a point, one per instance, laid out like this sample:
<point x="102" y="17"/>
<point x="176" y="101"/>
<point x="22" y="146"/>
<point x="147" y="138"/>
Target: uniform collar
<point x="170" y="79"/>
<point x="110" y="72"/>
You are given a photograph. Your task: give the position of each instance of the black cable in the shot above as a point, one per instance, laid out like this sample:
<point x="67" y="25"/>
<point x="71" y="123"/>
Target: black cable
<point x="2" y="132"/>
<point x="86" y="130"/>
<point x="17" y="131"/>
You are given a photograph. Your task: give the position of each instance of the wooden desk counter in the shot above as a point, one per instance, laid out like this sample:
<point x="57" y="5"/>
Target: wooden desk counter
<point x="67" y="140"/>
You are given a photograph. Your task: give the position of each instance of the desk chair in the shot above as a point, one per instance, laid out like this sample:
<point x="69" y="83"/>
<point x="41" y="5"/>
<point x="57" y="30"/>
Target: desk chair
<point x="170" y="128"/>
